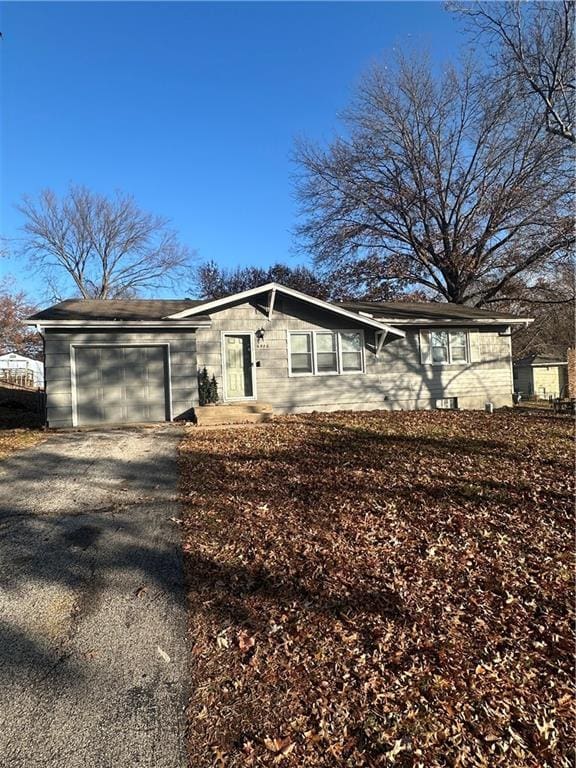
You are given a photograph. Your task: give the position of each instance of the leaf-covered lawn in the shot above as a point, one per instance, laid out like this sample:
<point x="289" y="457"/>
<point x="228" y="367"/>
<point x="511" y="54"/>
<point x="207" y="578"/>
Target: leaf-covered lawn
<point x="380" y="589"/>
<point x="12" y="440"/>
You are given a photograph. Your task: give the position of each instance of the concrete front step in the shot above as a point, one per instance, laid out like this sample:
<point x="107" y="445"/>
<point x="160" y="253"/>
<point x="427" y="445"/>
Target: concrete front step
<point x="233" y="413"/>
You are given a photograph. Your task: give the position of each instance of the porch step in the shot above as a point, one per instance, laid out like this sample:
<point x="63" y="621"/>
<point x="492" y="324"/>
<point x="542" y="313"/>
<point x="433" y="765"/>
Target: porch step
<point x="233" y="413"/>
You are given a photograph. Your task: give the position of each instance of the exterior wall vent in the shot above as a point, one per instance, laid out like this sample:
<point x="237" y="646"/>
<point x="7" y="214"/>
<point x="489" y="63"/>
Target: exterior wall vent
<point x="447" y="404"/>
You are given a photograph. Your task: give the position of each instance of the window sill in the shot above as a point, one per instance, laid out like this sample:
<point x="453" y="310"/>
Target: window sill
<point x="322" y="375"/>
<point x="458" y="364"/>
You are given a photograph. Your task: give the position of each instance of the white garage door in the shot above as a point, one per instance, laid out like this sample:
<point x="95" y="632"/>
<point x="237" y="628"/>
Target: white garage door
<point x="120" y="384"/>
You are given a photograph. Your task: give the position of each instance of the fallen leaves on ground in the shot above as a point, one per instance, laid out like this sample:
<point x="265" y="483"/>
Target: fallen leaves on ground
<point x="377" y="589"/>
<point x="12" y="440"/>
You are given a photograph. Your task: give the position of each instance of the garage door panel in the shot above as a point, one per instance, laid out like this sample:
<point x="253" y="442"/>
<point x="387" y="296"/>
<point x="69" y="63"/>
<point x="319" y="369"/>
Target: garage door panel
<point x="112" y="373"/>
<point x="132" y="355"/>
<point x="90" y="412"/>
<point x="154" y="370"/>
<point x="112" y="393"/>
<point x="89" y="379"/>
<point x="144" y="412"/>
<point x="120" y="384"/>
<point x="115" y="414"/>
<point x="143" y="395"/>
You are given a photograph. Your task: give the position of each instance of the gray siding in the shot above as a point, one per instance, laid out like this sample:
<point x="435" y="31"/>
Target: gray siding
<point x="393" y="380"/>
<point x="59" y="374"/>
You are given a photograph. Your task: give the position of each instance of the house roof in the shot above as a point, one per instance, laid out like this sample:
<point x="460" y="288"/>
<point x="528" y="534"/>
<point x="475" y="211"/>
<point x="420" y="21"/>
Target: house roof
<point x="414" y="312"/>
<point x="537" y="360"/>
<point x="114" y="309"/>
<point x="382" y="316"/>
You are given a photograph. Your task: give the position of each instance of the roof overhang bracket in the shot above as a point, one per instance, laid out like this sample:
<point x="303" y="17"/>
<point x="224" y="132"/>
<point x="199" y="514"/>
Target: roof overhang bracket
<point x="380" y="339"/>
<point x="271" y="300"/>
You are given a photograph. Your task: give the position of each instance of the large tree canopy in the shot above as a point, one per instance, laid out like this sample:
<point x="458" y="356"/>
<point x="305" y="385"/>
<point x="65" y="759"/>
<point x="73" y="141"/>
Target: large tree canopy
<point x="450" y="188"/>
<point x="103" y="247"/>
<point x="214" y="282"/>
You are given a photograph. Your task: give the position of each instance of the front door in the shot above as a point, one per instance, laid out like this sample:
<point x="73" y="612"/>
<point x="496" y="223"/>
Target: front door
<point x="238" y="364"/>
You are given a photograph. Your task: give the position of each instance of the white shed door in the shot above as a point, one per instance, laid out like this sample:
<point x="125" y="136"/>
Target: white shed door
<point x="120" y="384"/>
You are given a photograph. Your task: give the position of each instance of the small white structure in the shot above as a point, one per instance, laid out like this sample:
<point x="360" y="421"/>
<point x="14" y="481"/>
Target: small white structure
<point x="22" y="371"/>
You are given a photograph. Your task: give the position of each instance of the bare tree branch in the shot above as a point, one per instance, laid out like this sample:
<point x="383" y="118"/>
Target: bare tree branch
<point x="107" y="247"/>
<point x="450" y="187"/>
<point x="532" y="44"/>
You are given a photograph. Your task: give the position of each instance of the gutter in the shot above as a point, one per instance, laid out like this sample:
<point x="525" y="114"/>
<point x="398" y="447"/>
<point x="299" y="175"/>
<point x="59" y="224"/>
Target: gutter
<point x="134" y="324"/>
<point x="461" y="321"/>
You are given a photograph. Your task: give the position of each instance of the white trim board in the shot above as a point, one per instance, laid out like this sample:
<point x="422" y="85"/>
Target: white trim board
<point x="134" y="324"/>
<point x="461" y="321"/>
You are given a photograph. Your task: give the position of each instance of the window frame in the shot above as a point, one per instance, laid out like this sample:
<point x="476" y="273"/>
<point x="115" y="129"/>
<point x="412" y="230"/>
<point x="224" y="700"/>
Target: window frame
<point x="450" y="361"/>
<point x="339" y="360"/>
<point x="315" y="371"/>
<point x="311" y="353"/>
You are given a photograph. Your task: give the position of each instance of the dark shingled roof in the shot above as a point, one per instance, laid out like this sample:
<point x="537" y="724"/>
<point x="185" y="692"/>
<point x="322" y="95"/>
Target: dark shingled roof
<point x="116" y="309"/>
<point x="421" y="310"/>
<point x="158" y="309"/>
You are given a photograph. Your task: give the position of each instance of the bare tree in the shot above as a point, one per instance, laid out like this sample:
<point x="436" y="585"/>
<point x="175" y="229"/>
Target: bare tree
<point x="450" y="187"/>
<point x="15" y="334"/>
<point x="108" y="247"/>
<point x="551" y="301"/>
<point x="532" y="44"/>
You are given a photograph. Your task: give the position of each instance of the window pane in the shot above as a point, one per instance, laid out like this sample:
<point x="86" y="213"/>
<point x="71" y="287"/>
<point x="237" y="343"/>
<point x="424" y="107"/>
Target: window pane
<point x="351" y="361"/>
<point x="300" y="342"/>
<point x="326" y="361"/>
<point x="458" y="346"/>
<point x="459" y="354"/>
<point x="326" y="358"/>
<point x="439" y="346"/>
<point x="351" y="342"/>
<point x="351" y="351"/>
<point x="301" y="353"/>
<point x="325" y="342"/>
<point x="301" y="363"/>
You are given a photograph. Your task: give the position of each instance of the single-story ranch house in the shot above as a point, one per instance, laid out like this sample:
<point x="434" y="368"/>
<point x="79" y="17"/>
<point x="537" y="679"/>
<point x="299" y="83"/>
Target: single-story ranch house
<point x="137" y="360"/>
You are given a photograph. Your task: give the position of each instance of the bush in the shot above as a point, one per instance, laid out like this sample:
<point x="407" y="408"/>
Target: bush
<point x="207" y="388"/>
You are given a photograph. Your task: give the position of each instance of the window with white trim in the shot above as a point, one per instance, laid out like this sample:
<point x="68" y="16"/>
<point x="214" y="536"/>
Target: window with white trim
<point x="326" y="352"/>
<point x="301" y="353"/>
<point x="448" y="347"/>
<point x="351" y="345"/>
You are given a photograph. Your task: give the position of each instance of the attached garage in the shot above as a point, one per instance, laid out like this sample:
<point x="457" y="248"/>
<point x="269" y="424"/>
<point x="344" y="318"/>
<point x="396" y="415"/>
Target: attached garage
<point x="119" y="362"/>
<point x="120" y="384"/>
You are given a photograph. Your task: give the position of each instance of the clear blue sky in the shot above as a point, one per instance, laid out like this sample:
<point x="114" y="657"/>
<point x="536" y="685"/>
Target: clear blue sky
<point x="191" y="107"/>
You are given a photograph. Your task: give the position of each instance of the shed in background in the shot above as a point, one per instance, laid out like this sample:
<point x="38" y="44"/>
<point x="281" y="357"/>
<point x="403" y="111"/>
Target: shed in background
<point x="21" y="371"/>
<point x="541" y="376"/>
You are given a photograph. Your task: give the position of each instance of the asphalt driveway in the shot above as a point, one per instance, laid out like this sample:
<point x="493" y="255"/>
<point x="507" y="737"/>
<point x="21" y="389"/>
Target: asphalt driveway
<point x="92" y="603"/>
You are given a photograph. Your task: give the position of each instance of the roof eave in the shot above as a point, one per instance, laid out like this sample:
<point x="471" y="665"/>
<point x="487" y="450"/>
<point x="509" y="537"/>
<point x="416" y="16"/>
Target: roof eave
<point x="86" y="323"/>
<point x="461" y="321"/>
